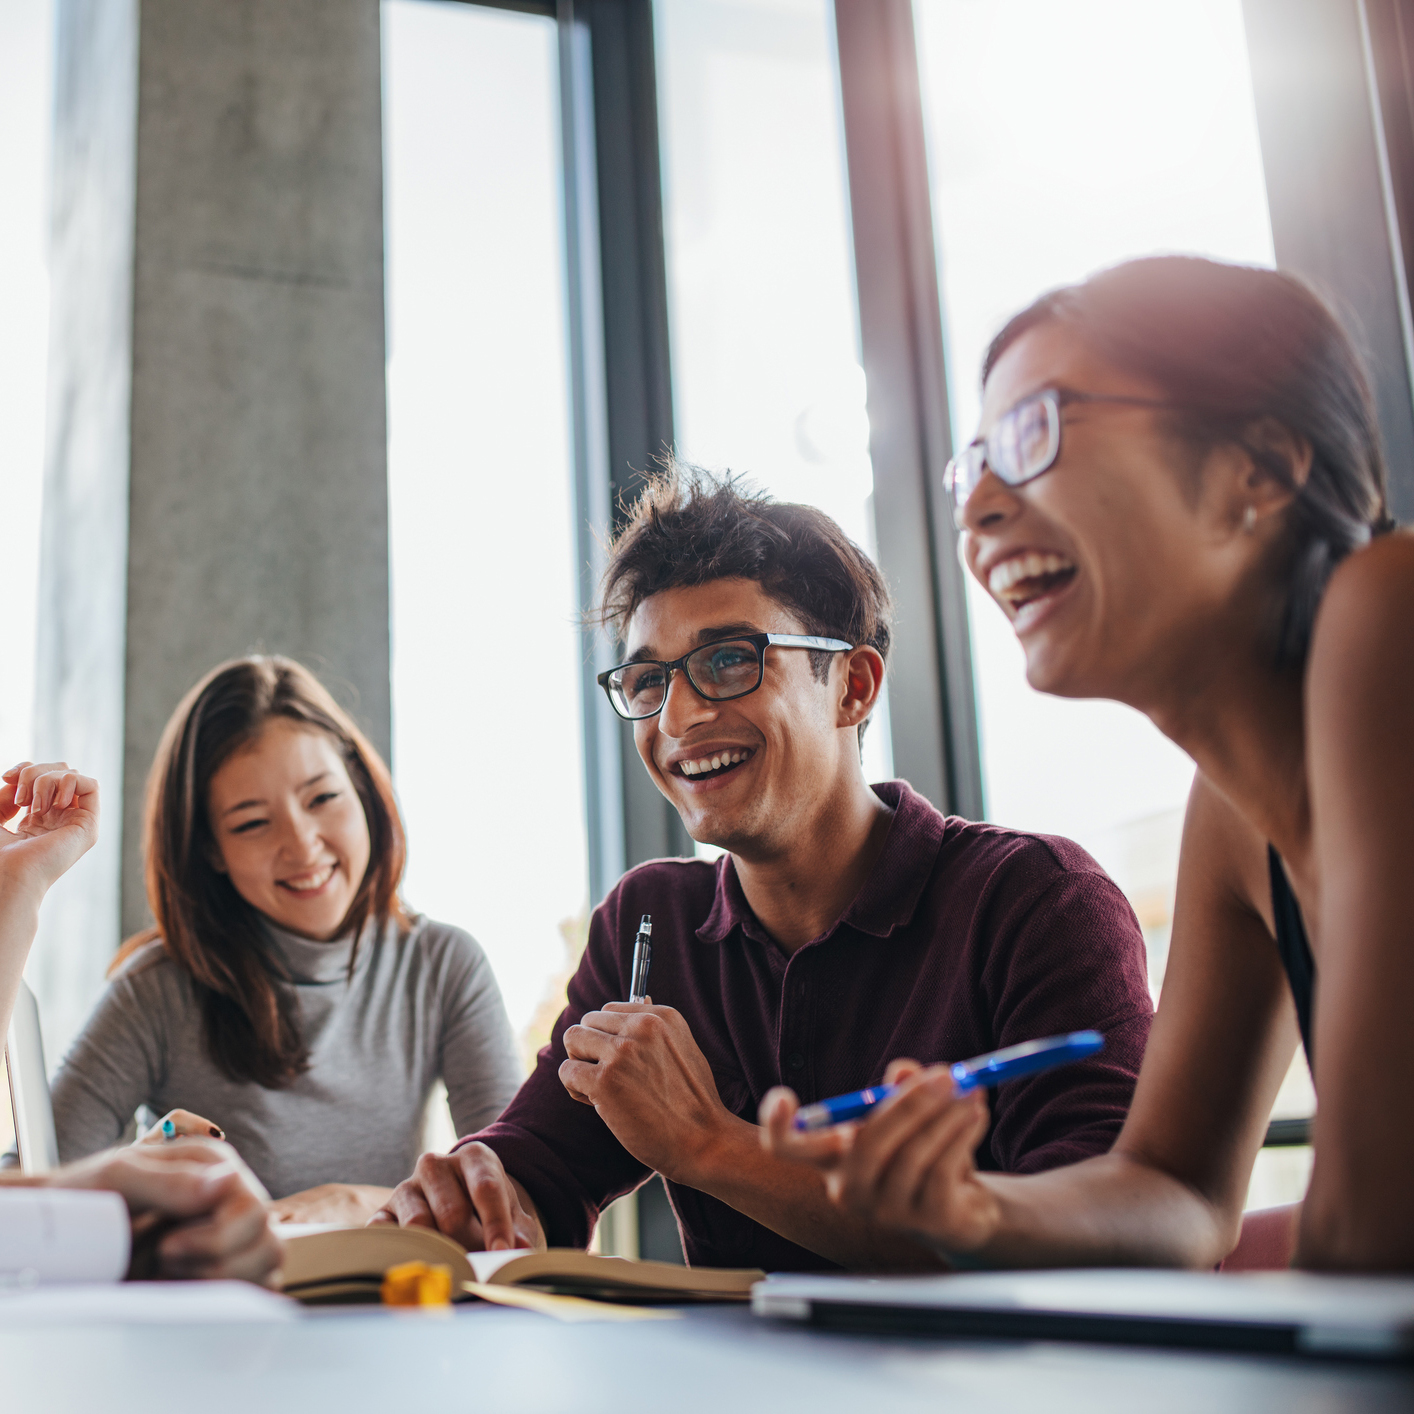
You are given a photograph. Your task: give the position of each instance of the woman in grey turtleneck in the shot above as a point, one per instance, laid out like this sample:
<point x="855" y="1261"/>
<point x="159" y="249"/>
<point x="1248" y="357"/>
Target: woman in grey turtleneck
<point x="285" y="996"/>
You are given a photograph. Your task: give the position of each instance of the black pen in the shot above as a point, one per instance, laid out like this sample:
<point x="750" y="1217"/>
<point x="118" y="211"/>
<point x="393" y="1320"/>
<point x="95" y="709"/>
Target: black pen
<point x="642" y="960"/>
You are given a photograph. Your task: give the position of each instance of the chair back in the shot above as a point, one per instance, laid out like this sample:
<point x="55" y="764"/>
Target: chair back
<point x="1268" y="1240"/>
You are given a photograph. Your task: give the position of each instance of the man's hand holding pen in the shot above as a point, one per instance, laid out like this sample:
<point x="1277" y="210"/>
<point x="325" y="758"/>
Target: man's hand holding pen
<point x="641" y="1069"/>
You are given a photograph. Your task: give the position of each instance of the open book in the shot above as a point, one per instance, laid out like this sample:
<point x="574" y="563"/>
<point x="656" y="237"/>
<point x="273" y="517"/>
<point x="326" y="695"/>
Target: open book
<point x="347" y="1264"/>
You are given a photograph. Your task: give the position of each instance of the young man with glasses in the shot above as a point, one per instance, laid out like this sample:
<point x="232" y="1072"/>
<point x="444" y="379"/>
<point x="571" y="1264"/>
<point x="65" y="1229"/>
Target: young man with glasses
<point x="846" y="924"/>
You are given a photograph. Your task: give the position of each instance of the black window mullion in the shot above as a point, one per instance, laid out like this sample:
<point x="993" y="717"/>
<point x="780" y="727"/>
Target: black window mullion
<point x="1329" y="187"/>
<point x="931" y="699"/>
<point x="620" y="371"/>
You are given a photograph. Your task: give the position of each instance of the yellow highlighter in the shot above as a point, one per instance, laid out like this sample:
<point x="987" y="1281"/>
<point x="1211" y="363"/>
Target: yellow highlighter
<point x="417" y="1284"/>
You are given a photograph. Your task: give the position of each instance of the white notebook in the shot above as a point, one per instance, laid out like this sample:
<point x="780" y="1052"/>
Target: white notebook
<point x="61" y="1235"/>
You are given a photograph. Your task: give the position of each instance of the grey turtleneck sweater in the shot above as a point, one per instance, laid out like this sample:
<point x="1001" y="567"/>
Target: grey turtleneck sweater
<point x="418" y="1008"/>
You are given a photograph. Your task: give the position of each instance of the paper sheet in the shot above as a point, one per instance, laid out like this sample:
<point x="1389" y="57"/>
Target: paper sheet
<point x="563" y="1308"/>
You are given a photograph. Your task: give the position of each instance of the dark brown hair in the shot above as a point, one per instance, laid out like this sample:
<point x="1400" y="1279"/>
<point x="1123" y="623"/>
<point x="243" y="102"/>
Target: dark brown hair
<point x="1231" y="345"/>
<point x="689" y="527"/>
<point x="249" y="1012"/>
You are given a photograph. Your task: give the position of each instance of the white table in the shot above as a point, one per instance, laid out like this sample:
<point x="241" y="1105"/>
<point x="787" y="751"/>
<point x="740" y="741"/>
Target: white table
<point x="721" y="1360"/>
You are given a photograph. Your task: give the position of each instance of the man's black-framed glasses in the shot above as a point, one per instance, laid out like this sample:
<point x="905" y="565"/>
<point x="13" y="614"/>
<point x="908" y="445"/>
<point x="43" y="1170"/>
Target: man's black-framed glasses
<point x="1025" y="443"/>
<point x="730" y="668"/>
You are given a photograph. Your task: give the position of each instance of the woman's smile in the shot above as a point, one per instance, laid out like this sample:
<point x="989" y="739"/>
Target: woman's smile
<point x="311" y="883"/>
<point x="1029" y="582"/>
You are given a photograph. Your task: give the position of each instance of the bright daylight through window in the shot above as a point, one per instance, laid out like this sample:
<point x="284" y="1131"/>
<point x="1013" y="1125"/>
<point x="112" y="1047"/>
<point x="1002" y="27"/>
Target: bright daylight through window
<point x="487" y="749"/>
<point x="26" y="27"/>
<point x="765" y="342"/>
<point x="1036" y="184"/>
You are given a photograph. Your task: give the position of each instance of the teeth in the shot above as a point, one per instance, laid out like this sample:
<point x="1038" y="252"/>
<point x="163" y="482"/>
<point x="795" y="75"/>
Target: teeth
<point x="310" y="881"/>
<point x="713" y="763"/>
<point x="1031" y="565"/>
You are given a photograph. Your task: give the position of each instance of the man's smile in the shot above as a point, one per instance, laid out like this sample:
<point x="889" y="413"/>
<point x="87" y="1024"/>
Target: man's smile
<point x="701" y="768"/>
<point x="714" y="762"/>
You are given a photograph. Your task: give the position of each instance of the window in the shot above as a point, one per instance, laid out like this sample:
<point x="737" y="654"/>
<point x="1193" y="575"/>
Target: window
<point x="1022" y="101"/>
<point x="765" y="345"/>
<point x="1117" y="130"/>
<point x="25" y="58"/>
<point x="487" y="749"/>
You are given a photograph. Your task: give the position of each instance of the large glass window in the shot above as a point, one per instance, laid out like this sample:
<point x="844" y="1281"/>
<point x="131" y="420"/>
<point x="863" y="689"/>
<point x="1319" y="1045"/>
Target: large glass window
<point x="1064" y="138"/>
<point x="26" y="27"/>
<point x="487" y="748"/>
<point x="767" y="379"/>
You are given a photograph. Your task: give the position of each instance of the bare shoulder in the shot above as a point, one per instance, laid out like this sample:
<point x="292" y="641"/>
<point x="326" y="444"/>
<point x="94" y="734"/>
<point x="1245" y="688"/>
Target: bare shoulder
<point x="1359" y="683"/>
<point x="1366" y="610"/>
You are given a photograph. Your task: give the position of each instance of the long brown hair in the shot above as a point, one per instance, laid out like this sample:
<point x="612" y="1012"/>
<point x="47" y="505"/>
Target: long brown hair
<point x="249" y="1012"/>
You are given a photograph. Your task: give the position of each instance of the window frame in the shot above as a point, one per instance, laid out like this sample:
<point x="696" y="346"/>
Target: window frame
<point x="1338" y="161"/>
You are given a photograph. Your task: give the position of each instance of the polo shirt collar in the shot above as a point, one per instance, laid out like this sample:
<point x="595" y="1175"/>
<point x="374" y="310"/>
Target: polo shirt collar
<point x="887" y="899"/>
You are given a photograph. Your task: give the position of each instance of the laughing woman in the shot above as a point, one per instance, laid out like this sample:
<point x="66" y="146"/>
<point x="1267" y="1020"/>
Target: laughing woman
<point x="1178" y="499"/>
<point x="284" y="996"/>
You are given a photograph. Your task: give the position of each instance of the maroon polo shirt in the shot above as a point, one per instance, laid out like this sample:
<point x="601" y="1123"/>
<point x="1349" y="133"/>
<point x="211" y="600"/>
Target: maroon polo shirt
<point x="965" y="937"/>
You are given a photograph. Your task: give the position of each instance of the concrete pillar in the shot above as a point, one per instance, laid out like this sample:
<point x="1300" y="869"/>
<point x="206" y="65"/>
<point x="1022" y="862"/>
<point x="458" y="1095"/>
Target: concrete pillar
<point x="217" y="476"/>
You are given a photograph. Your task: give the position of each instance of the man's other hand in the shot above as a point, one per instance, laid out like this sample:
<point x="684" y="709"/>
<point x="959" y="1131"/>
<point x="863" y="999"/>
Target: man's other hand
<point x="644" y="1073"/>
<point x="470" y="1197"/>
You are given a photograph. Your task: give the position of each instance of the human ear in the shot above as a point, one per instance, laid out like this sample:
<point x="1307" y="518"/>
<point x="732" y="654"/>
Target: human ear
<point x="1276" y="463"/>
<point x="863" y="682"/>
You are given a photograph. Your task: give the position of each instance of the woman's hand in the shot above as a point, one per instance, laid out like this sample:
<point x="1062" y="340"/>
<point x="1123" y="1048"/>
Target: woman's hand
<point x="58" y="826"/>
<point x="185" y="1125"/>
<point x="348" y="1204"/>
<point x="909" y="1165"/>
<point x="196" y="1209"/>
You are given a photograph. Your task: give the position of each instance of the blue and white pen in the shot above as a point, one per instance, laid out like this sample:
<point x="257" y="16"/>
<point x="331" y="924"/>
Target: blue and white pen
<point x="995" y="1068"/>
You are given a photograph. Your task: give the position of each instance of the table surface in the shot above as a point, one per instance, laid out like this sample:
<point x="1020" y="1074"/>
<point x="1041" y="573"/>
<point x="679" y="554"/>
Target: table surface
<point x="715" y="1359"/>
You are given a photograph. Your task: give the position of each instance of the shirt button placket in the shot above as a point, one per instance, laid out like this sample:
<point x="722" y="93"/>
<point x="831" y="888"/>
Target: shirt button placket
<point x="793" y="1050"/>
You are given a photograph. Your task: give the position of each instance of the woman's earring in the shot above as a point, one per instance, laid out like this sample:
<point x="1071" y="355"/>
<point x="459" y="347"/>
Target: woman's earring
<point x="1249" y="519"/>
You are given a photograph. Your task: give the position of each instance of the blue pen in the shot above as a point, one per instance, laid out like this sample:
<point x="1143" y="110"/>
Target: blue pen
<point x="993" y="1069"/>
<point x="169" y="1131"/>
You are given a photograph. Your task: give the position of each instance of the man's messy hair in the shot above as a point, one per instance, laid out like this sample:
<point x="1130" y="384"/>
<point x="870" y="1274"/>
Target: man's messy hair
<point x="689" y="527"/>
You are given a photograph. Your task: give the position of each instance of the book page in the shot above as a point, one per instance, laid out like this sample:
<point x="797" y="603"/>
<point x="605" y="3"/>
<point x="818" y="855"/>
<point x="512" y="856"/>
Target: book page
<point x="487" y="1264"/>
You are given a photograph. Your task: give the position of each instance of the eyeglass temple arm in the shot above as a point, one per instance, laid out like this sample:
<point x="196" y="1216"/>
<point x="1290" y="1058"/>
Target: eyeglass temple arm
<point x="801" y="640"/>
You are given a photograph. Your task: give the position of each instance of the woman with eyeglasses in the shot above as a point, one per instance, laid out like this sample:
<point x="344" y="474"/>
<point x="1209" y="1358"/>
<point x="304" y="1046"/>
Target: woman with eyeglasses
<point x="1178" y="499"/>
<point x="286" y="1001"/>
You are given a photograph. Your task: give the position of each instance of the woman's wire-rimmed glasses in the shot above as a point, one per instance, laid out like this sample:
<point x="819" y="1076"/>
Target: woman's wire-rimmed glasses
<point x="1025" y="443"/>
<point x="720" y="672"/>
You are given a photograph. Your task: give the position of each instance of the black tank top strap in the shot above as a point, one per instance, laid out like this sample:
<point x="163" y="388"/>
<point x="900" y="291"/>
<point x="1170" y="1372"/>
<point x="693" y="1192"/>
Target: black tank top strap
<point x="1294" y="948"/>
